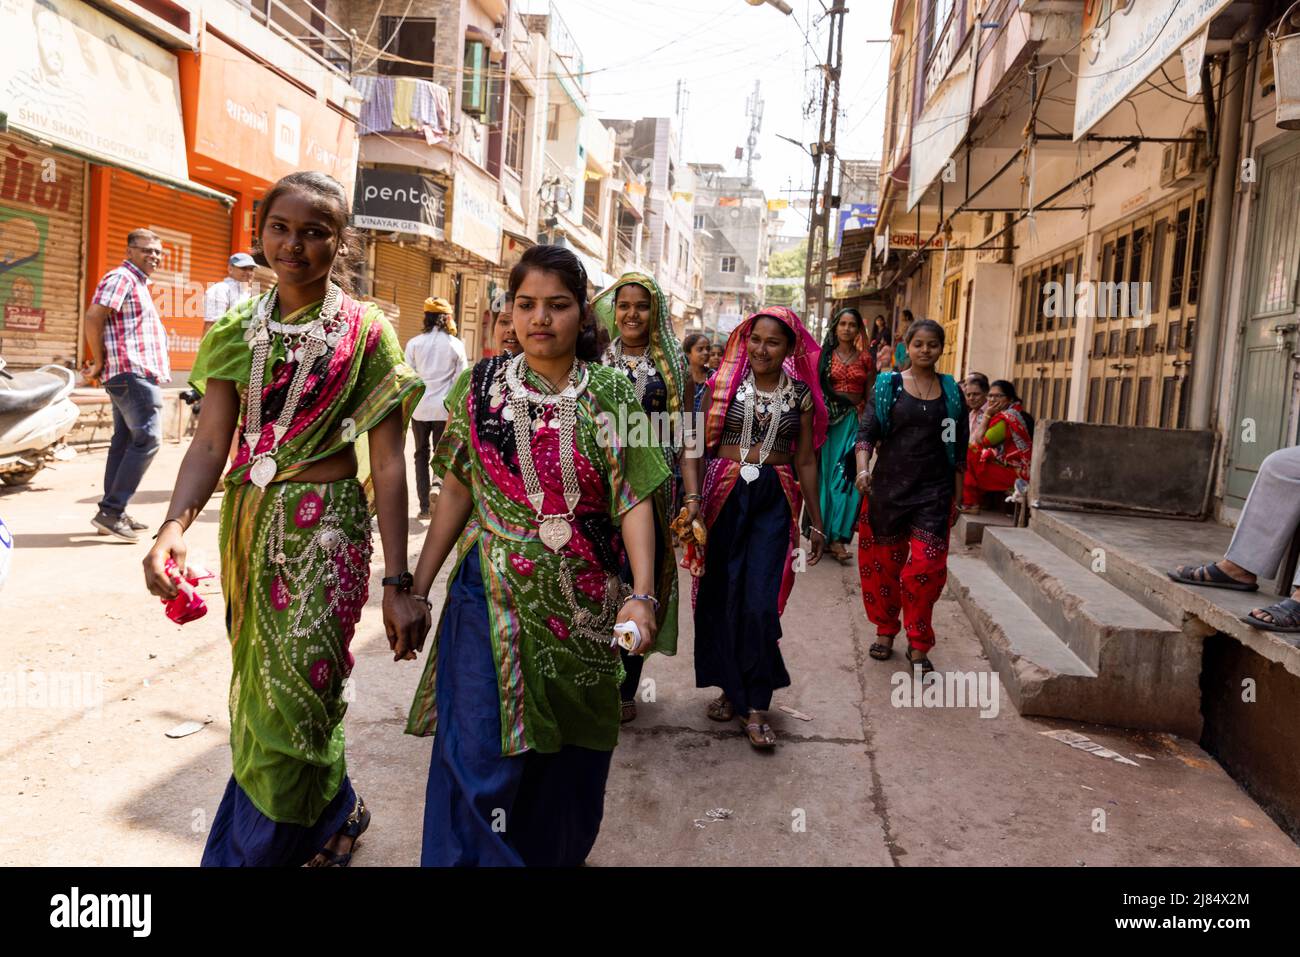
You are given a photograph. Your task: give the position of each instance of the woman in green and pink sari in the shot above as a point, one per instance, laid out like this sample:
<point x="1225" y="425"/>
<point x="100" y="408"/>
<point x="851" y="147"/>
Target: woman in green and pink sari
<point x="299" y="376"/>
<point x="544" y="500"/>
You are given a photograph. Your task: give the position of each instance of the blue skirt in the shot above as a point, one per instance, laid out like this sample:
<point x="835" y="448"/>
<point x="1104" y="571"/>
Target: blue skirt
<point x="737" y="626"/>
<point x="483" y="809"/>
<point x="242" y="836"/>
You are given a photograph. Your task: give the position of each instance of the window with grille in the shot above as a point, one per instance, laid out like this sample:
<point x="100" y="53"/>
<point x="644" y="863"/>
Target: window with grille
<point x="515" y="129"/>
<point x="728" y="264"/>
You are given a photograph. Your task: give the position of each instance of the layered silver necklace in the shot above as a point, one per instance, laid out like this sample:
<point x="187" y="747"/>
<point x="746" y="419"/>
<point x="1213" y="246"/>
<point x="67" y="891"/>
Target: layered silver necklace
<point x="559" y="410"/>
<point x="304" y="343"/>
<point x="770" y="404"/>
<point x="640" y="366"/>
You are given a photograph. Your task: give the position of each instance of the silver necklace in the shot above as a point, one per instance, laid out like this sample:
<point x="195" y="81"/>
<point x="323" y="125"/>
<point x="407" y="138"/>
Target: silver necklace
<point x="304" y="344"/>
<point x="641" y="366"/>
<point x="772" y="404"/>
<point x="553" y="529"/>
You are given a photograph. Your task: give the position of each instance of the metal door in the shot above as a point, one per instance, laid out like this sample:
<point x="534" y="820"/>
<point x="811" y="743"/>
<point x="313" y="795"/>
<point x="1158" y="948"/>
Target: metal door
<point x="1045" y="332"/>
<point x="1265" y="376"/>
<point x="1145" y="306"/>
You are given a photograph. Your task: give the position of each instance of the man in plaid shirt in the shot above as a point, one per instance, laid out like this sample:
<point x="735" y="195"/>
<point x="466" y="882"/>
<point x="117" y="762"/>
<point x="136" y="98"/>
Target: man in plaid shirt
<point x="128" y="349"/>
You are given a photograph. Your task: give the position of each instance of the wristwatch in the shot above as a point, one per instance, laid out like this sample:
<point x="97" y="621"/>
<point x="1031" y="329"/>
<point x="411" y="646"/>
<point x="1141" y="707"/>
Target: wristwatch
<point x="404" y="581"/>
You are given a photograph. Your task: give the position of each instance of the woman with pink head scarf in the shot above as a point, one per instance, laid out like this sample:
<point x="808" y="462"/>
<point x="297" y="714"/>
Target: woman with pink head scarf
<point x="764" y="419"/>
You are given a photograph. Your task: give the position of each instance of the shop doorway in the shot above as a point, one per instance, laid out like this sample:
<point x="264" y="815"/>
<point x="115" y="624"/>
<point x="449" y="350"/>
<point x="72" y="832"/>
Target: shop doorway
<point x="1266" y="370"/>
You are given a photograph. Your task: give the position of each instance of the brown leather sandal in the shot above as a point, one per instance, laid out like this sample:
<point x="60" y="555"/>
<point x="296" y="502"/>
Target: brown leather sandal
<point x="760" y="733"/>
<point x="720" y="709"/>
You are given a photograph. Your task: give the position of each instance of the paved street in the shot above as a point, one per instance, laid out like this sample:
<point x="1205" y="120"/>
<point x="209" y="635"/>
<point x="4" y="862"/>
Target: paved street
<point x="861" y="783"/>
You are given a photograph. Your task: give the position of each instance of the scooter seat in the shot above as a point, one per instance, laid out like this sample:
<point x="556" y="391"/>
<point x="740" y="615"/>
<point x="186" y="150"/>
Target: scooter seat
<point x="29" y="391"/>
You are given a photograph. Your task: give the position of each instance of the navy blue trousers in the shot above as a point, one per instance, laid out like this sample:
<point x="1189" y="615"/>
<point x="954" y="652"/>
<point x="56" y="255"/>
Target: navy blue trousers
<point x="483" y="809"/>
<point x="242" y="836"/>
<point x="737" y="627"/>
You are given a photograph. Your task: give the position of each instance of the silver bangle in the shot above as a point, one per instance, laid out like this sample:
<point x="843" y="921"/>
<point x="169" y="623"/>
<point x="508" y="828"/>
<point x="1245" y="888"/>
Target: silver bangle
<point x="817" y="530"/>
<point x="424" y="598"/>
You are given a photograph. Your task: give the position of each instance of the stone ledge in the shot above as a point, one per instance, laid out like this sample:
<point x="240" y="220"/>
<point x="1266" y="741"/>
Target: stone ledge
<point x="1139" y="551"/>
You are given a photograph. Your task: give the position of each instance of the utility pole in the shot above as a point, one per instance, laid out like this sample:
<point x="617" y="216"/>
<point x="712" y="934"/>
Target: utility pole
<point x="755" y="110"/>
<point x="819" y="216"/>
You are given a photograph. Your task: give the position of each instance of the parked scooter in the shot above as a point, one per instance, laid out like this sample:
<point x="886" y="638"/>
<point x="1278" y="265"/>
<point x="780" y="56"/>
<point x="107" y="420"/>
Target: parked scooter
<point x="35" y="415"/>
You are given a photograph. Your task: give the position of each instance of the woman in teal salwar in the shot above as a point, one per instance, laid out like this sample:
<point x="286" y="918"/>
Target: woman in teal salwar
<point x="297" y="375"/>
<point x="847" y="373"/>
<point x="544" y="503"/>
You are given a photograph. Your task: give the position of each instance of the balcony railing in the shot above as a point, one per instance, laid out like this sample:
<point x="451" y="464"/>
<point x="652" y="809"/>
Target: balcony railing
<point x="307" y="28"/>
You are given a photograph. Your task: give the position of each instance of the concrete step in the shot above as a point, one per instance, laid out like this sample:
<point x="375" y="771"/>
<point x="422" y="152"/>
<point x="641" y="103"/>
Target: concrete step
<point x="1040" y="673"/>
<point x="969" y="529"/>
<point x="1148" y="671"/>
<point x="1019" y="644"/>
<point x="1139" y="551"/>
<point x="1081" y="606"/>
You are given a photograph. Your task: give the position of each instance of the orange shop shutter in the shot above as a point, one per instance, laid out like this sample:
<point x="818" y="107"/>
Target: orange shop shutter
<point x="403" y="274"/>
<point x="195" y="235"/>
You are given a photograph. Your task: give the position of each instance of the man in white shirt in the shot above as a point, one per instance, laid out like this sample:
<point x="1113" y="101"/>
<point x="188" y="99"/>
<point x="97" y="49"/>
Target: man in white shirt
<point x="438" y="358"/>
<point x="223" y="296"/>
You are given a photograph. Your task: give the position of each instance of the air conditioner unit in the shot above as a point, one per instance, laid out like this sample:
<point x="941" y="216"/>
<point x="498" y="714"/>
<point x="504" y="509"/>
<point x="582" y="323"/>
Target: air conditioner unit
<point x="1181" y="162"/>
<point x="1168" y="176"/>
<point x="1190" y="158"/>
<point x="1000" y="249"/>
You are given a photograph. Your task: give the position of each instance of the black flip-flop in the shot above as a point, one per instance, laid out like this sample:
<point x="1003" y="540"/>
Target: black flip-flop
<point x="356" y="824"/>
<point x="1285" y="615"/>
<point x="881" y="652"/>
<point x="1216" y="578"/>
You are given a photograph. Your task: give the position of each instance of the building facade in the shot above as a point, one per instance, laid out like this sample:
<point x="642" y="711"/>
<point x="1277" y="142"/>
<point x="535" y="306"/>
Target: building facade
<point x="1114" y="237"/>
<point x="731" y="223"/>
<point x="651" y="149"/>
<point x="172" y="116"/>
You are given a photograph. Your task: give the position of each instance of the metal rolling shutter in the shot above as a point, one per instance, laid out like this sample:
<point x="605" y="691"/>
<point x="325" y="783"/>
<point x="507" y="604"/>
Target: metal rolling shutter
<point x="195" y="235"/>
<point x="40" y="253"/>
<point x="403" y="275"/>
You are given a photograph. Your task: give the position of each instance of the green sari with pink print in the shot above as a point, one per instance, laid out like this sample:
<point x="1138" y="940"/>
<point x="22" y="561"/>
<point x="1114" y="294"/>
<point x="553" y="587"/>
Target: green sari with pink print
<point x="295" y="556"/>
<point x="558" y="680"/>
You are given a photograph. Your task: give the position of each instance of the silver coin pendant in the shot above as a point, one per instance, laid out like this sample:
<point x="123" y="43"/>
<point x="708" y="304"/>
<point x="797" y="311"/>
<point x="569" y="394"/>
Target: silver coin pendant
<point x="262" y="472"/>
<point x="555" y="533"/>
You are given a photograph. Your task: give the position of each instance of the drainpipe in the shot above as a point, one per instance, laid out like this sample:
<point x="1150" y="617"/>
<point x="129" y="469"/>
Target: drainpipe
<point x="1214" y="267"/>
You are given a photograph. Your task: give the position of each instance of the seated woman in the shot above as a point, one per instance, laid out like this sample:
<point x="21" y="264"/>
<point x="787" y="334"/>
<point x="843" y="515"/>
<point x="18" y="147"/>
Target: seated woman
<point x="1001" y="455"/>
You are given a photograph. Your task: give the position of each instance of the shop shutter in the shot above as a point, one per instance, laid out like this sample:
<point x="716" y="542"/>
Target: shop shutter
<point x="42" y="196"/>
<point x="195" y="235"/>
<point x="403" y="275"/>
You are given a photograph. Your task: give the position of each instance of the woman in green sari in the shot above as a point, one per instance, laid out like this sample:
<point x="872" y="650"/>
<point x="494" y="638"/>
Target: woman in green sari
<point x="303" y="372"/>
<point x="644" y="347"/>
<point x="544" y="503"/>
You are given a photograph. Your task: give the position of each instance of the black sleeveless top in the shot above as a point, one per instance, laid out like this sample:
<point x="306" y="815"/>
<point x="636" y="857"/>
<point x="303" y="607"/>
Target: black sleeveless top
<point x="787" y="431"/>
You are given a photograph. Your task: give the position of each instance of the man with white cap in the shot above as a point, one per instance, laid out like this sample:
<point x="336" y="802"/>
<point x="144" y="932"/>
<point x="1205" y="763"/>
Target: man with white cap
<point x="223" y="296"/>
<point x="438" y="358"/>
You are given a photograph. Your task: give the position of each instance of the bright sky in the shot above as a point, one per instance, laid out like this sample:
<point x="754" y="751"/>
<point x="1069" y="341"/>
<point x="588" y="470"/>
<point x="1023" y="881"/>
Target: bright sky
<point x="638" y="49"/>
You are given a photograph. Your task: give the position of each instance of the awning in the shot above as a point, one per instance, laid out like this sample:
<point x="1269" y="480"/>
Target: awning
<point x="184" y="185"/>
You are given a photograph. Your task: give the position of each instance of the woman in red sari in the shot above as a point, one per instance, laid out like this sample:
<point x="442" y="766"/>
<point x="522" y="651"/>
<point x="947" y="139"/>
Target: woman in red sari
<point x="1001" y="455"/>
